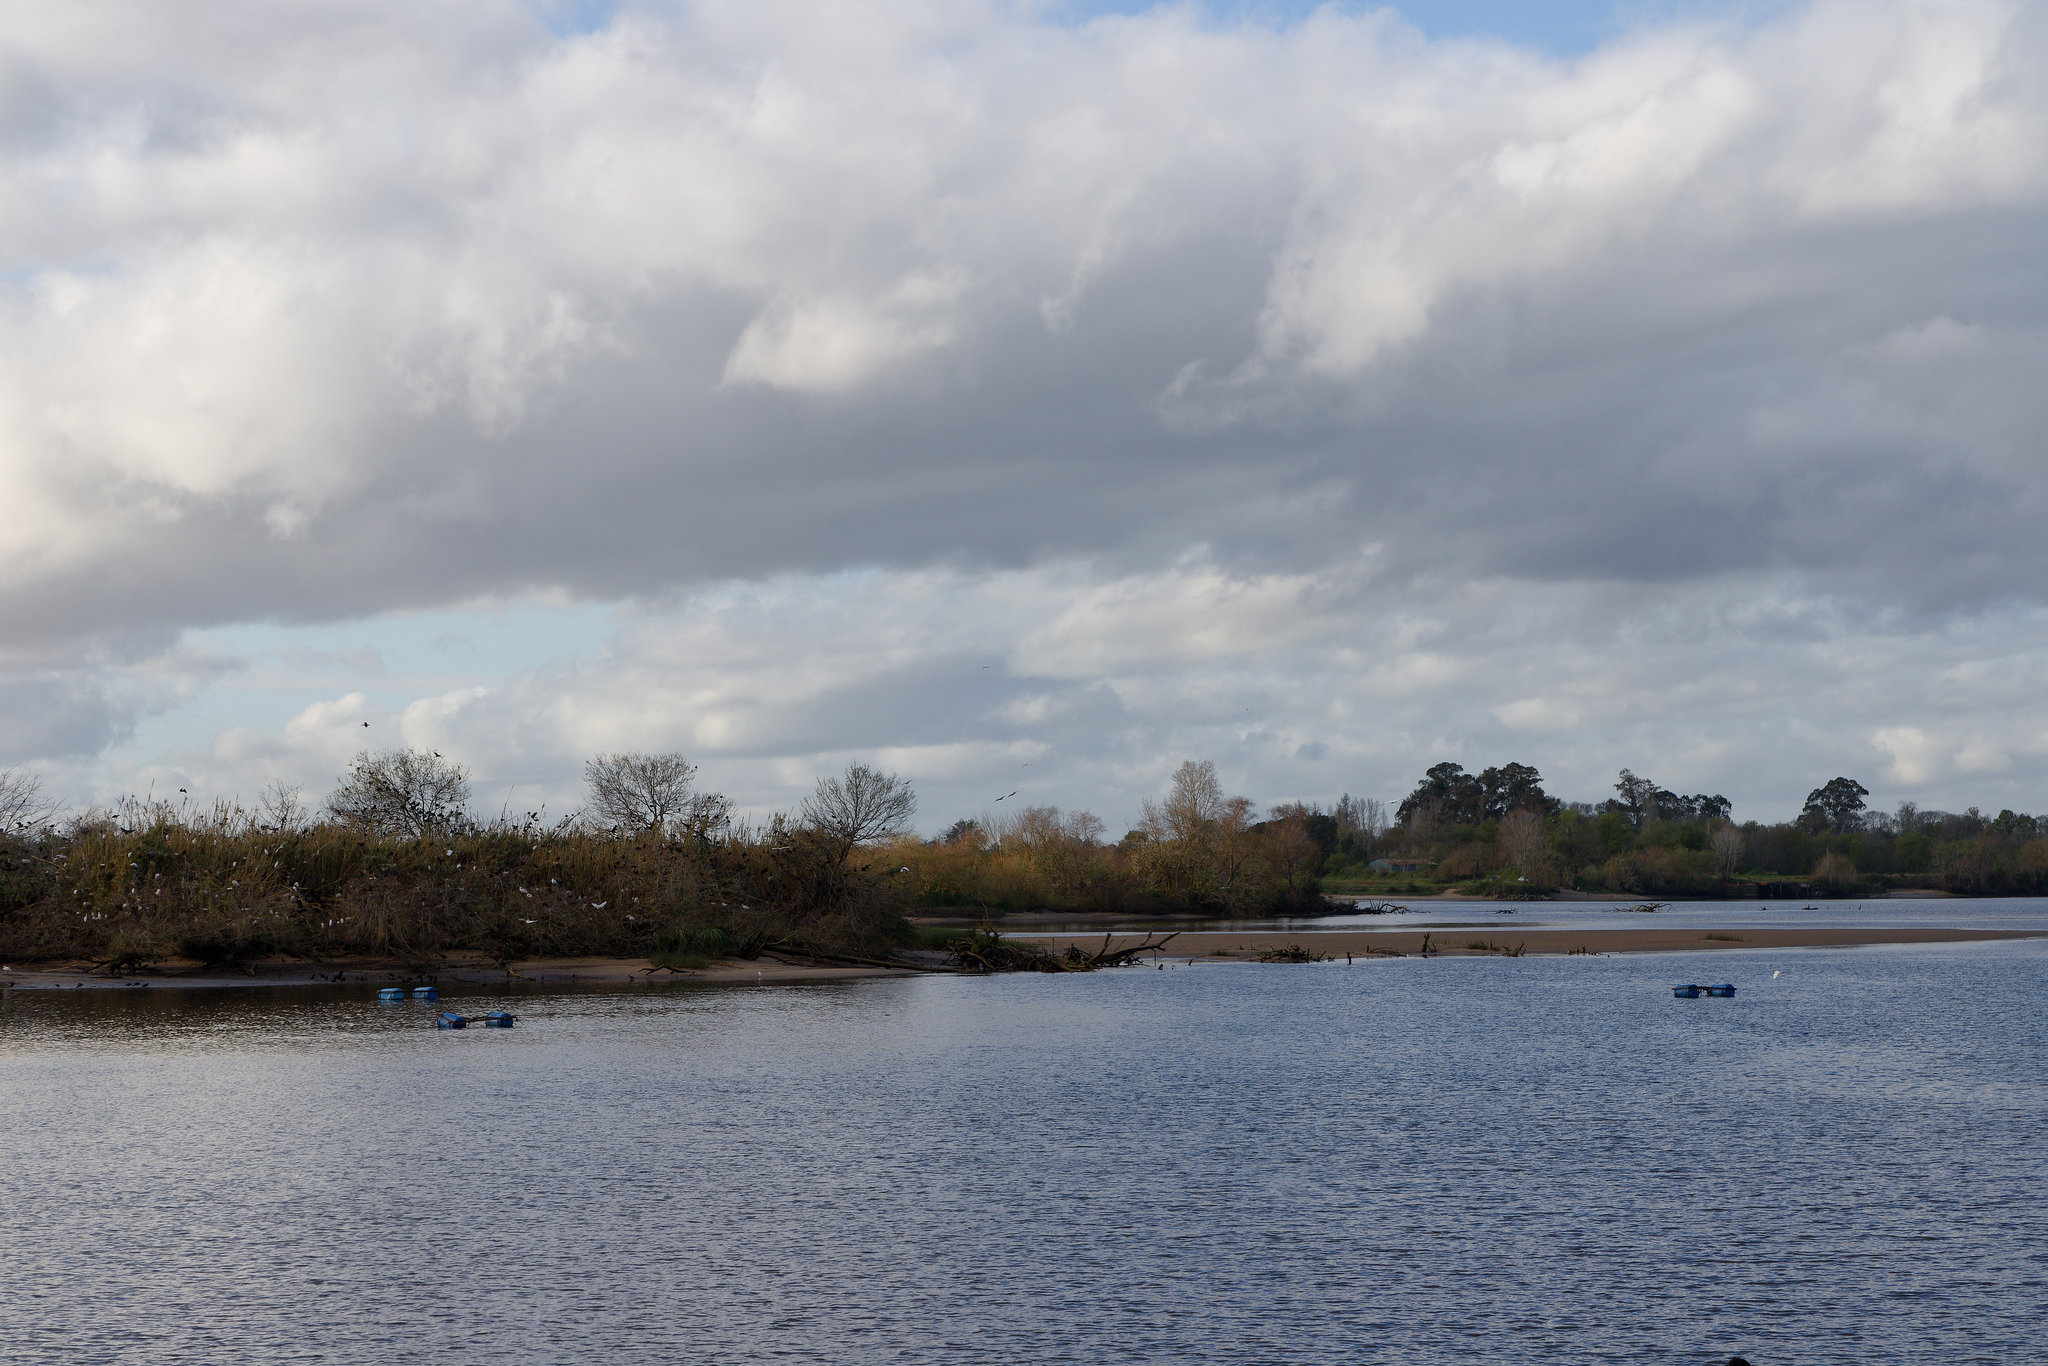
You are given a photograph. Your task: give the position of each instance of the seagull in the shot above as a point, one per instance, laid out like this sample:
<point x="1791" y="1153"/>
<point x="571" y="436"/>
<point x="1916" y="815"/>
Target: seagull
<point x="1774" y="975"/>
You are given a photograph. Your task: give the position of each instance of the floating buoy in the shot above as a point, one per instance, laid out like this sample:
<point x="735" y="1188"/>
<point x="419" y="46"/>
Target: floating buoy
<point x="450" y="1020"/>
<point x="498" y="1019"/>
<point x="1723" y="989"/>
<point x="425" y="994"/>
<point x="1688" y="992"/>
<point x="391" y="994"/>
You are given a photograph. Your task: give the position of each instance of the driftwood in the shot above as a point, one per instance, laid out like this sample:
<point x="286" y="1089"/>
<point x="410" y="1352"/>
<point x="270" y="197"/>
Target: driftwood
<point x="1378" y="908"/>
<point x="984" y="950"/>
<point x="1293" y="953"/>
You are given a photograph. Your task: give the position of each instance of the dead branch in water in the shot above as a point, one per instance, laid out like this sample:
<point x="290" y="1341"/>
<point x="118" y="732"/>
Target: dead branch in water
<point x="984" y="950"/>
<point x="1293" y="953"/>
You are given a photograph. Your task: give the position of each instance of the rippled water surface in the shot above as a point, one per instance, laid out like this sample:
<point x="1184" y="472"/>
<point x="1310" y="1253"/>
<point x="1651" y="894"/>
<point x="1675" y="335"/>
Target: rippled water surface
<point x="1398" y="1161"/>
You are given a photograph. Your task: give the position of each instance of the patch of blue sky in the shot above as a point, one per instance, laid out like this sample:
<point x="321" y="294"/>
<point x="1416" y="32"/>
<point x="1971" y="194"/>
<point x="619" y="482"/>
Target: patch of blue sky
<point x="271" y="673"/>
<point x="497" y="639"/>
<point x="1564" y="27"/>
<point x="573" y="18"/>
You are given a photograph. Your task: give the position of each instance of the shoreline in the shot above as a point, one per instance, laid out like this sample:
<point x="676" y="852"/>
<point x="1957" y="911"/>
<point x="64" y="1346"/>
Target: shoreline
<point x="455" y="972"/>
<point x="1479" y="940"/>
<point x="1460" y="941"/>
<point x="942" y="917"/>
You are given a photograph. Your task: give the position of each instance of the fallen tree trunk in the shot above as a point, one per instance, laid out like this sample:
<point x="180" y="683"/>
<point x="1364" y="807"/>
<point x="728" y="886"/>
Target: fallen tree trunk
<point x="985" y="951"/>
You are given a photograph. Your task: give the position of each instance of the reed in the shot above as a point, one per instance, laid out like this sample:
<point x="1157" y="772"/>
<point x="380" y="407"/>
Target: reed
<point x="148" y="883"/>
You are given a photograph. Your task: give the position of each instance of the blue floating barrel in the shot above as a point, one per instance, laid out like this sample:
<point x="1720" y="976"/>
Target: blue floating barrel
<point x="425" y="994"/>
<point x="1688" y="992"/>
<point x="498" y="1019"/>
<point x="450" y="1020"/>
<point x="391" y="994"/>
<point x="1723" y="989"/>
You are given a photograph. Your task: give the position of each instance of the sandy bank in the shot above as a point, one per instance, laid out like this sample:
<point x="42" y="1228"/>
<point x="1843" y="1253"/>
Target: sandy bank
<point x="1200" y="945"/>
<point x="1646" y="939"/>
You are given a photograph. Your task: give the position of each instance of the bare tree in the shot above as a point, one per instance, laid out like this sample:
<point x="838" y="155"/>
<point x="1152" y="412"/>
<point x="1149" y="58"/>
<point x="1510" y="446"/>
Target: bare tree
<point x="1058" y="844"/>
<point x="283" y="808"/>
<point x="405" y="793"/>
<point x="1374" y="818"/>
<point x="1521" y="839"/>
<point x="652" y="792"/>
<point x="862" y="804"/>
<point x="22" y="804"/>
<point x="1728" y="845"/>
<point x="1197" y="840"/>
<point x="1192" y="807"/>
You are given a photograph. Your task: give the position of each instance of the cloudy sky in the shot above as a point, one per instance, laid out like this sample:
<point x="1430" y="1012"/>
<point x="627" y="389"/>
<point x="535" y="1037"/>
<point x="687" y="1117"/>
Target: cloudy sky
<point x="1027" y="395"/>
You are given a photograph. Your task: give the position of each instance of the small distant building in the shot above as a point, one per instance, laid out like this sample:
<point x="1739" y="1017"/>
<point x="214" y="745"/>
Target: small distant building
<point x="1399" y="865"/>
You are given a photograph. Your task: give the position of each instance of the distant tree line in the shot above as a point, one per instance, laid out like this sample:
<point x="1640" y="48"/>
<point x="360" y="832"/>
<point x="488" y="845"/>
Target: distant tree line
<point x="1498" y="831"/>
<point x="392" y="863"/>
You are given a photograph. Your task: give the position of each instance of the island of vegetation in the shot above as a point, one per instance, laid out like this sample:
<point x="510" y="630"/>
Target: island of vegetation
<point x="392" y="867"/>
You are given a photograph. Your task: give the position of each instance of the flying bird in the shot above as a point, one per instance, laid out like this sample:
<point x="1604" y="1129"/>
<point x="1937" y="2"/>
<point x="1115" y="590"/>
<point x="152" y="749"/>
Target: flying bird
<point x="1006" y="796"/>
<point x="366" y="725"/>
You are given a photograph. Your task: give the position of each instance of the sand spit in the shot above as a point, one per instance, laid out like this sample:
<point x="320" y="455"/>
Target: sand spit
<point x="1196" y="945"/>
<point x="1495" y="939"/>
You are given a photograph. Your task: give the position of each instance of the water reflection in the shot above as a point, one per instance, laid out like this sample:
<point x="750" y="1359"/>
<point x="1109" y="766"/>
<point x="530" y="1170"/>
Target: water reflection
<point x="1465" y="1160"/>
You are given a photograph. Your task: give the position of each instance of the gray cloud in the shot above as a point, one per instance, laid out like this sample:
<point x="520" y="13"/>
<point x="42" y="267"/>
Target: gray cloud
<point x="316" y="312"/>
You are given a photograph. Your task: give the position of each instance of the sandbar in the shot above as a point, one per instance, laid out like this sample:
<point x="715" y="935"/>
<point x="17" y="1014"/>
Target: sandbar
<point x="1198" y="945"/>
<point x="1461" y="940"/>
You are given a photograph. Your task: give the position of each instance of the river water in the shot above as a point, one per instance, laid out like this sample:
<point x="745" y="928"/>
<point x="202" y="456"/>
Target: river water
<point x="1484" y="1160"/>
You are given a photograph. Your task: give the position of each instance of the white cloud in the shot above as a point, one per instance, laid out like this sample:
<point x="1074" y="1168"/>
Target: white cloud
<point x="768" y="684"/>
<point x="861" y="349"/>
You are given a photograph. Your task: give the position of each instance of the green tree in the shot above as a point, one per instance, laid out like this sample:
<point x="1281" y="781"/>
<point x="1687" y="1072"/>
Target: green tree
<point x="1449" y="794"/>
<point x="1836" y="806"/>
<point x="1513" y="787"/>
